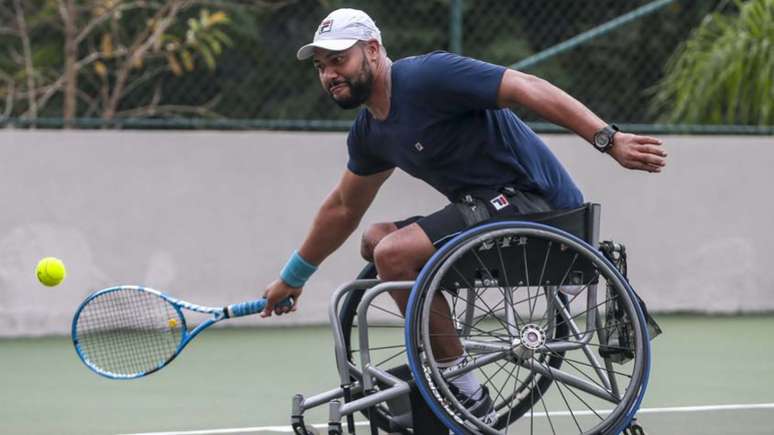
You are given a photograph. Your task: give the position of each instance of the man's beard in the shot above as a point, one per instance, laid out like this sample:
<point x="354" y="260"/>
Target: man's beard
<point x="359" y="88"/>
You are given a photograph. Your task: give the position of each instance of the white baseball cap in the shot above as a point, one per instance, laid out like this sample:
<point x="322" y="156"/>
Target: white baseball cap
<point x="340" y="30"/>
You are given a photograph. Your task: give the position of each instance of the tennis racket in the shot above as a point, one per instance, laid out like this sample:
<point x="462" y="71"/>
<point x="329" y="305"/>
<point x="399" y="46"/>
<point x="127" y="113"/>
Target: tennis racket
<point x="127" y="332"/>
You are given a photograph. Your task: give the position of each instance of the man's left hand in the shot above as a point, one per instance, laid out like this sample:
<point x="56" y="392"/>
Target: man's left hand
<point x="642" y="153"/>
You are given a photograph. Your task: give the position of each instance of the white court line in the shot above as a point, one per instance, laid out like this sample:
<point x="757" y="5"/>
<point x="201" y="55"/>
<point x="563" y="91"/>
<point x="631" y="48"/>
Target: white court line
<point x="288" y="429"/>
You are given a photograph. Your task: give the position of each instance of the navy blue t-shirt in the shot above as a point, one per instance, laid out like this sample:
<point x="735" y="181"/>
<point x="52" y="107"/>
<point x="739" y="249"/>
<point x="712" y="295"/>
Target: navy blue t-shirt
<point x="444" y="127"/>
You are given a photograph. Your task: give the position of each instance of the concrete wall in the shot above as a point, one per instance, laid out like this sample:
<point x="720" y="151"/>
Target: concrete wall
<point x="211" y="217"/>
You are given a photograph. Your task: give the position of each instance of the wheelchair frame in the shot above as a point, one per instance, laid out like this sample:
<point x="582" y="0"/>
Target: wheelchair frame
<point x="362" y="380"/>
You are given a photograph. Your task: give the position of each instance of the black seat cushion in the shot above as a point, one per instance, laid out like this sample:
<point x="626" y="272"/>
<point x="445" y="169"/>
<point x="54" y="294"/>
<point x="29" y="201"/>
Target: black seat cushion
<point x="576" y="221"/>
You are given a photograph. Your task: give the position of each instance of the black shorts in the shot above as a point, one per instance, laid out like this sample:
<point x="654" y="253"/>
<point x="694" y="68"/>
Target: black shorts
<point x="456" y="217"/>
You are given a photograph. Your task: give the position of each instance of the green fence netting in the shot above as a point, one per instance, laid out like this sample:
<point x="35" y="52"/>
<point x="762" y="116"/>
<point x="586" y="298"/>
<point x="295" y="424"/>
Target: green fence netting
<point x="231" y="64"/>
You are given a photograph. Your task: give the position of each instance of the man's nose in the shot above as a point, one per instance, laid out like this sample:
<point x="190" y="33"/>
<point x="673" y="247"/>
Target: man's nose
<point x="329" y="75"/>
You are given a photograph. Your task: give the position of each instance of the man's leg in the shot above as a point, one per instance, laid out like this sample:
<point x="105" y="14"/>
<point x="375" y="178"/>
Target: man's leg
<point x="399" y="251"/>
<point x="399" y="256"/>
<point x="424" y="421"/>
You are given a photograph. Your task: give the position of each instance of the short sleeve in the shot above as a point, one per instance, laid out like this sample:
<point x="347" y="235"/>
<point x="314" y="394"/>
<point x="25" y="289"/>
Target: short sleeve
<point x="362" y="161"/>
<point x="459" y="82"/>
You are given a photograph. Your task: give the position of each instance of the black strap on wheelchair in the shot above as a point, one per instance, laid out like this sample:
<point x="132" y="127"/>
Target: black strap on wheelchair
<point x="619" y="337"/>
<point x="473" y="210"/>
<point x="478" y="205"/>
<point x="423" y="420"/>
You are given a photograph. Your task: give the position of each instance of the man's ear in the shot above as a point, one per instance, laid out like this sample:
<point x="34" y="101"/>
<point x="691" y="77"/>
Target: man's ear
<point x="372" y="49"/>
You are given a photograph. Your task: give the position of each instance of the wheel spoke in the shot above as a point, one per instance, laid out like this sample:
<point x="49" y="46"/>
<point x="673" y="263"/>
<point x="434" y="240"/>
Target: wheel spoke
<point x="381" y="363"/>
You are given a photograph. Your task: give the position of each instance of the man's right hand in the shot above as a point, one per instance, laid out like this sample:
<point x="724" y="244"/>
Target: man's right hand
<point x="643" y="153"/>
<point x="278" y="291"/>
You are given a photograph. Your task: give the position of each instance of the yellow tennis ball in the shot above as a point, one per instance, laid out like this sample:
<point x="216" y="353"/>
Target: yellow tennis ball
<point x="50" y="271"/>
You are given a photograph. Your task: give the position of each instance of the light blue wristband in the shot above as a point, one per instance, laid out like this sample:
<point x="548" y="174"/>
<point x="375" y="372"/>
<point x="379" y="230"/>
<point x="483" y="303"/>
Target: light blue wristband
<point x="297" y="271"/>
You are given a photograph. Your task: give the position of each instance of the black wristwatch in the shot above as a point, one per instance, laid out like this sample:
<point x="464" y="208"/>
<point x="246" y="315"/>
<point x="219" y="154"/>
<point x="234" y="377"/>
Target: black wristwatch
<point x="603" y="139"/>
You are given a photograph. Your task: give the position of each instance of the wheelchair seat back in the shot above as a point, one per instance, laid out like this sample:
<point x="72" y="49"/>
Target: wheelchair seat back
<point x="513" y="260"/>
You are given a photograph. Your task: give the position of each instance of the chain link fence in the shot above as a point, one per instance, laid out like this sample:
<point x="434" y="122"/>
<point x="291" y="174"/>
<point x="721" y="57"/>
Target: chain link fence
<point x="231" y="64"/>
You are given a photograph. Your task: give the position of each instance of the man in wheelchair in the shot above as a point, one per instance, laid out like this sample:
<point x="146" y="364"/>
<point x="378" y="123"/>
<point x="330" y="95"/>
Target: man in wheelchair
<point x="444" y="119"/>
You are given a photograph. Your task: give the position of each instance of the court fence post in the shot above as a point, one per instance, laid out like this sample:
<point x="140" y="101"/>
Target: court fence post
<point x="455" y="26"/>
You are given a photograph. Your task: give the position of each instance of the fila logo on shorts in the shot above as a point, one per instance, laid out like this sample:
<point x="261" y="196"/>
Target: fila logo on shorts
<point x="418" y="146"/>
<point x="326" y="26"/>
<point x="499" y="202"/>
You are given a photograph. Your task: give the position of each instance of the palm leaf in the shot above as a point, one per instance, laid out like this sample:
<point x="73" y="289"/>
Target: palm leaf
<point x="724" y="72"/>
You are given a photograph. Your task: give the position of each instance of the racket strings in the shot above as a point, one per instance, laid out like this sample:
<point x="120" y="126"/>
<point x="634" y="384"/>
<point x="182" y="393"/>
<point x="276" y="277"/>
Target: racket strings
<point x="129" y="331"/>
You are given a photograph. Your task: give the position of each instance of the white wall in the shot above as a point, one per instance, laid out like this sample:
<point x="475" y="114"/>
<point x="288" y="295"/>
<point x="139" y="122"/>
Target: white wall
<point x="211" y="217"/>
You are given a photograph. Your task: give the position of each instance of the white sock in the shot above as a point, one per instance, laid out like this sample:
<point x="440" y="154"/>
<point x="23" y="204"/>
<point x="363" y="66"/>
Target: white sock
<point x="466" y="383"/>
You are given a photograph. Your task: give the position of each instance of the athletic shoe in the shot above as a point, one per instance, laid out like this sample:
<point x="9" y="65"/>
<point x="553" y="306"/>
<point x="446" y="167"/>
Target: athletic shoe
<point x="481" y="407"/>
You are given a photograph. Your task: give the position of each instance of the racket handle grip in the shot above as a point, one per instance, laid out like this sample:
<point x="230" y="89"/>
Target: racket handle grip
<point x="253" y="307"/>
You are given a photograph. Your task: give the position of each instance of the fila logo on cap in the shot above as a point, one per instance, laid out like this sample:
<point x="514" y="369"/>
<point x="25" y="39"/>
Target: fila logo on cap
<point x="499" y="202"/>
<point x="340" y="30"/>
<point x="326" y="26"/>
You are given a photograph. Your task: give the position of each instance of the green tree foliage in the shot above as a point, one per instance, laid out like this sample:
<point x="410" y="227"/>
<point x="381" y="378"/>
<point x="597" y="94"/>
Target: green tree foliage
<point x="611" y="74"/>
<point x="236" y="58"/>
<point x="106" y="58"/>
<point x="723" y="73"/>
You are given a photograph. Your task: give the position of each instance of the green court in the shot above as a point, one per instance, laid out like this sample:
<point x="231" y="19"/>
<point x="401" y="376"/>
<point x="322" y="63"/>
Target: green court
<point x="711" y="375"/>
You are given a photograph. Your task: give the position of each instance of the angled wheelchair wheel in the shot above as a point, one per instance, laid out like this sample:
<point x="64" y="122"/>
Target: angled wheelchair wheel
<point x="548" y="325"/>
<point x="387" y="349"/>
<point x="388" y="345"/>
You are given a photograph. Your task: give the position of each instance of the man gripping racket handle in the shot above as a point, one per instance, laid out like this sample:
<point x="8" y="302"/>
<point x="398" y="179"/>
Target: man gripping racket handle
<point x="290" y="285"/>
<point x="129" y="331"/>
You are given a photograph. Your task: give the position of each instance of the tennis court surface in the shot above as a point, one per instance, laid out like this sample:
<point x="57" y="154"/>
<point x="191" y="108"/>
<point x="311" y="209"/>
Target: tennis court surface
<point x="711" y="375"/>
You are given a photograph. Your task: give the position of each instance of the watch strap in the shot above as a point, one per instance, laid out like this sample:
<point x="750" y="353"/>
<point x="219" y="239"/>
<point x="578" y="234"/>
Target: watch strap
<point x="603" y="139"/>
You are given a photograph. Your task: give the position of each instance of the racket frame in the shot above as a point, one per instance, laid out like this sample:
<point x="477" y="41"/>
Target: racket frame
<point x="218" y="314"/>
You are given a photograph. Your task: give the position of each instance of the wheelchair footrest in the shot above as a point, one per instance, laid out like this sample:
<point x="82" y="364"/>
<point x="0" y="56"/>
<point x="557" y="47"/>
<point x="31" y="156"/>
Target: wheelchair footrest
<point x="300" y="428"/>
<point x="334" y="428"/>
<point x="635" y="428"/>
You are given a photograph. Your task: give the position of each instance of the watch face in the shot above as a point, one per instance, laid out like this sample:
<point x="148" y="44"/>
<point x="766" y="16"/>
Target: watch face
<point x="601" y="140"/>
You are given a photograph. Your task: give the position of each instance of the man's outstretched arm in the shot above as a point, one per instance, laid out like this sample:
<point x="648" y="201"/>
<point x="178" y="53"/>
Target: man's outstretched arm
<point x="554" y="105"/>
<point x="335" y="221"/>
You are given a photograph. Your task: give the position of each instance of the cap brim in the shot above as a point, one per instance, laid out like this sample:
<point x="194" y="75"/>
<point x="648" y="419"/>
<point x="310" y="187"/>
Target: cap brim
<point x="307" y="50"/>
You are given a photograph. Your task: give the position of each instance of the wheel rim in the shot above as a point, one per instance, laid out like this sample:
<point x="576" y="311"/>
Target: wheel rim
<point x="567" y="394"/>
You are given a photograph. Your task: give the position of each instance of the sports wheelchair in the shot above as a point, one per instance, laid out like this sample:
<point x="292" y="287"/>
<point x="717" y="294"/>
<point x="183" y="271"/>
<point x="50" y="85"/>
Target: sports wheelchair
<point x="546" y="317"/>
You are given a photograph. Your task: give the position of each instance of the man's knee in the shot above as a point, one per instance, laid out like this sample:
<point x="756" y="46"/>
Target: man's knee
<point x="372" y="236"/>
<point x="387" y="258"/>
<point x="401" y="254"/>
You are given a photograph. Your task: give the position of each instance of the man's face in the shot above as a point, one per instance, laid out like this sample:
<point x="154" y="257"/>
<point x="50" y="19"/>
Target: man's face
<point x="345" y="75"/>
